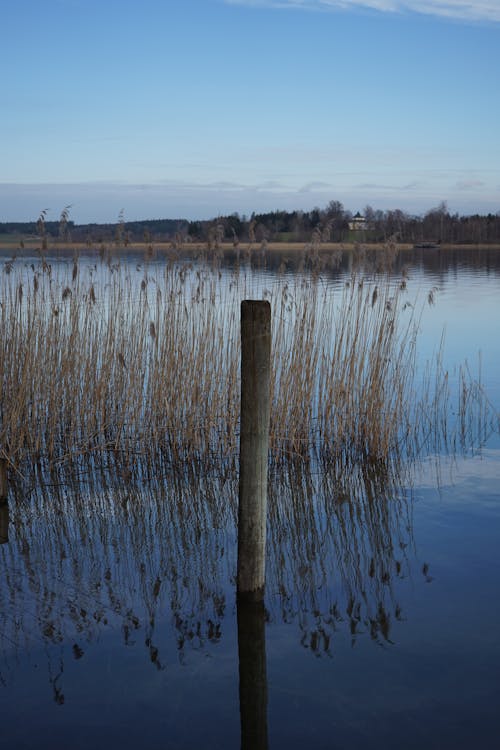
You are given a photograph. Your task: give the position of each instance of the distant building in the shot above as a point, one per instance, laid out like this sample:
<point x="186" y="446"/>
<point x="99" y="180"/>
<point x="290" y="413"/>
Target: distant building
<point x="357" y="223"/>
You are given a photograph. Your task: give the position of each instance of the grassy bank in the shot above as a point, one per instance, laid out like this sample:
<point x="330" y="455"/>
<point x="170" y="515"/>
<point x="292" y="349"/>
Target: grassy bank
<point x="13" y="245"/>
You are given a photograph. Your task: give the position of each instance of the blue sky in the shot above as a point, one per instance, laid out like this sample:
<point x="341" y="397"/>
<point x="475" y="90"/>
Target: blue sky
<point x="194" y="108"/>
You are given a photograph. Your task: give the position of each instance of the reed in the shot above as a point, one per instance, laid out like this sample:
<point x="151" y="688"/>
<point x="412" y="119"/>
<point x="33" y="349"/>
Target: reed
<point x="109" y="362"/>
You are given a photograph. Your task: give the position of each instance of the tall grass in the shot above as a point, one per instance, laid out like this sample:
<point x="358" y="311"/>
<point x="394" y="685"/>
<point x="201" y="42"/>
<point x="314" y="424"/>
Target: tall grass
<point x="110" y="360"/>
<point x="345" y="368"/>
<point x="123" y="364"/>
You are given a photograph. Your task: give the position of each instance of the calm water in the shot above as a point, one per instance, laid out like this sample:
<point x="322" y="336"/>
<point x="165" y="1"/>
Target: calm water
<point x="119" y="625"/>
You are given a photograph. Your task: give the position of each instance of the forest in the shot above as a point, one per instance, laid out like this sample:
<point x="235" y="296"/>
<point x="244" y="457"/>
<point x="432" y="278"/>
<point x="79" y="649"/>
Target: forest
<point x="330" y="224"/>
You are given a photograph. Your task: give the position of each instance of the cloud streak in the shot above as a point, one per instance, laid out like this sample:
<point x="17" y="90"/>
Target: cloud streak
<point x="469" y="184"/>
<point x="102" y="201"/>
<point x="463" y="10"/>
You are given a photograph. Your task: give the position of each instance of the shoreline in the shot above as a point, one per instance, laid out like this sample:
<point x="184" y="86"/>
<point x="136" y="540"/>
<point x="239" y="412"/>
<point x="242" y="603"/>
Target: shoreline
<point x="57" y="247"/>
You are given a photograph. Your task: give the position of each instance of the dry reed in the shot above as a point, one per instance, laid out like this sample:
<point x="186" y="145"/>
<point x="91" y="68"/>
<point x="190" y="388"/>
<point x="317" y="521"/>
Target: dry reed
<point x="117" y="363"/>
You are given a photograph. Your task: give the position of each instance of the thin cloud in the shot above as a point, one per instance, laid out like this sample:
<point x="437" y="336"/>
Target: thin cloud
<point x="469" y="184"/>
<point x="271" y="186"/>
<point x="381" y="186"/>
<point x="314" y="186"/>
<point x="102" y="201"/>
<point x="464" y="10"/>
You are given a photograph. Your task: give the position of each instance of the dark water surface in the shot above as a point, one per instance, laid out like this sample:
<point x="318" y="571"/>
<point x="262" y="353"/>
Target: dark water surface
<point x="120" y="627"/>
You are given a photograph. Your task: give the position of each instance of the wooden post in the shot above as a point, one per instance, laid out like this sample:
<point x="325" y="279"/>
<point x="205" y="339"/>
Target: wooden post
<point x="3" y="481"/>
<point x="254" y="443"/>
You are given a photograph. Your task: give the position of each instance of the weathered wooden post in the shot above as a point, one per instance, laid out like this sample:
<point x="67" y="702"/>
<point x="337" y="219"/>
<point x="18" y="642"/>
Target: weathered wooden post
<point x="254" y="443"/>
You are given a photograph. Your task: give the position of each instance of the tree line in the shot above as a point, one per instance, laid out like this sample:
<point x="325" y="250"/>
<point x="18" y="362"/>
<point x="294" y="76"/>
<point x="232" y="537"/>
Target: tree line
<point x="330" y="224"/>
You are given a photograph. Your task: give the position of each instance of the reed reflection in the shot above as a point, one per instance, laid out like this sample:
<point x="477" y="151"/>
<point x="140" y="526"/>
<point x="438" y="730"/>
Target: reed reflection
<point x="341" y="539"/>
<point x="156" y="562"/>
<point x="151" y="564"/>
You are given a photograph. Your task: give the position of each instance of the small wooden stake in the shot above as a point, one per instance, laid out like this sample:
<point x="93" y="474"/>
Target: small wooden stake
<point x="254" y="443"/>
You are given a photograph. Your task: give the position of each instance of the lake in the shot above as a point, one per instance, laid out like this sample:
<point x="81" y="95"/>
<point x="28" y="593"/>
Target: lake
<point x="119" y="621"/>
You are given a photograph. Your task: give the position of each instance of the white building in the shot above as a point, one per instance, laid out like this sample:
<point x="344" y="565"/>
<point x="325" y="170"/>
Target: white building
<point x="357" y="223"/>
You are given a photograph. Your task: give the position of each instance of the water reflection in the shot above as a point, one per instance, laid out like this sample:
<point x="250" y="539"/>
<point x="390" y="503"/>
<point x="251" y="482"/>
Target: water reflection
<point x="443" y="262"/>
<point x="341" y="539"/>
<point x="4" y="523"/>
<point x="135" y="560"/>
<point x="253" y="673"/>
<point x="156" y="563"/>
